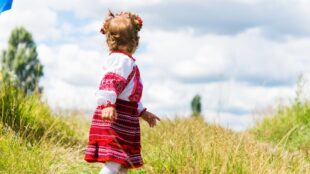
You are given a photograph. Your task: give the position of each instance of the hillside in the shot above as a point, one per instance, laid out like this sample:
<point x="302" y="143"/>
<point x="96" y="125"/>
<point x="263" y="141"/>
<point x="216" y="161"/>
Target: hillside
<point x="289" y="127"/>
<point x="49" y="143"/>
<point x="34" y="140"/>
<point x="192" y="146"/>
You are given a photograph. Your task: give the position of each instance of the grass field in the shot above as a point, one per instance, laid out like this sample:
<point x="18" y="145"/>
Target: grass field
<point x="35" y="140"/>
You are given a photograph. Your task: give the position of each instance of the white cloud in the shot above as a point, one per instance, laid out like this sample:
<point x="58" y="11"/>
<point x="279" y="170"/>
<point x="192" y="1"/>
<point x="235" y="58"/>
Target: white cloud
<point x="71" y="75"/>
<point x="236" y="73"/>
<point x="245" y="56"/>
<point x="35" y="16"/>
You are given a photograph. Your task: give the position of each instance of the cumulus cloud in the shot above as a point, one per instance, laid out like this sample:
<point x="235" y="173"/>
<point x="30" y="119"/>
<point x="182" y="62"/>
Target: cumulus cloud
<point x="235" y="75"/>
<point x="246" y="56"/>
<point x="279" y="19"/>
<point x="239" y="55"/>
<point x="72" y="74"/>
<point x="35" y="16"/>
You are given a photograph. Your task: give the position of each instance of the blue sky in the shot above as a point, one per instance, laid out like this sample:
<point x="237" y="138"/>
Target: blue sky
<point x="242" y="56"/>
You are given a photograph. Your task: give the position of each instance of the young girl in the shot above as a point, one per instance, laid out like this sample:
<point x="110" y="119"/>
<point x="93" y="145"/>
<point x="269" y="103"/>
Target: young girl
<point x="114" y="137"/>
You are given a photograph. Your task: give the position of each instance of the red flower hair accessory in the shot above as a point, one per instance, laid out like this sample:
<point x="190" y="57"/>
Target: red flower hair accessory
<point x="140" y="22"/>
<point x="137" y="20"/>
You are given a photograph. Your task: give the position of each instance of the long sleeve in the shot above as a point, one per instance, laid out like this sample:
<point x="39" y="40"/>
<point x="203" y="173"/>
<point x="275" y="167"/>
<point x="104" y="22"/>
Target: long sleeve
<point x="114" y="80"/>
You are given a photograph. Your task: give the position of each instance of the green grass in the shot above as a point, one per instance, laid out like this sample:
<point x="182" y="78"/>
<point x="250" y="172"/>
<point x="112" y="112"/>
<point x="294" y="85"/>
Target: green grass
<point x="192" y="146"/>
<point x="289" y="127"/>
<point x="19" y="156"/>
<point x="35" y="140"/>
<point x="174" y="146"/>
<point x="31" y="118"/>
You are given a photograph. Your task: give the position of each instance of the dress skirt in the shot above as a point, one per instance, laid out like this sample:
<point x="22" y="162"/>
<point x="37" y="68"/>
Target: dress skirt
<point x="116" y="140"/>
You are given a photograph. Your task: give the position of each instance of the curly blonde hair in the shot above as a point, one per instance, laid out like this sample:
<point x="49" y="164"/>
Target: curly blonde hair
<point x="121" y="31"/>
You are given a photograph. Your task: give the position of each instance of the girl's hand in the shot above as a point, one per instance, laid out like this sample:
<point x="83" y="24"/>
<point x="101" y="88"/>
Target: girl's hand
<point x="109" y="113"/>
<point x="150" y="118"/>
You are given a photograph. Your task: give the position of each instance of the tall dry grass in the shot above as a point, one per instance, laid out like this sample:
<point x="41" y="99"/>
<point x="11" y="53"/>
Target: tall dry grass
<point x="33" y="140"/>
<point x="192" y="146"/>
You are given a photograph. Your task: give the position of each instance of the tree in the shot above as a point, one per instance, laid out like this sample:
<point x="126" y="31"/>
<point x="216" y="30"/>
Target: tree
<point x="20" y="62"/>
<point x="196" y="105"/>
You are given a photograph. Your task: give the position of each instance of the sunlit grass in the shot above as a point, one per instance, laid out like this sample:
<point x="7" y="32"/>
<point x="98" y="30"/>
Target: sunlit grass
<point x="192" y="146"/>
<point x="31" y="118"/>
<point x="18" y="156"/>
<point x="35" y="140"/>
<point x="289" y="127"/>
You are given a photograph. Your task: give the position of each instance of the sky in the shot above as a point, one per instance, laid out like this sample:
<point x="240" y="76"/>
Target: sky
<point x="243" y="57"/>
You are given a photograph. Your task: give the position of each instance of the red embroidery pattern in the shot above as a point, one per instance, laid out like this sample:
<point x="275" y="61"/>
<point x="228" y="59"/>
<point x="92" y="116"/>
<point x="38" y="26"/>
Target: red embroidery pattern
<point x="130" y="76"/>
<point x="136" y="93"/>
<point x="113" y="81"/>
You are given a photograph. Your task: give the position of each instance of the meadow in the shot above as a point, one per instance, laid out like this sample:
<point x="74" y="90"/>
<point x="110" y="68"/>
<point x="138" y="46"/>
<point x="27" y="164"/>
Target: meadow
<point x="35" y="140"/>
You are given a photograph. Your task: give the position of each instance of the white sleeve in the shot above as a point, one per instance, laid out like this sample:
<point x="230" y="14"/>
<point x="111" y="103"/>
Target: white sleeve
<point x="113" y="82"/>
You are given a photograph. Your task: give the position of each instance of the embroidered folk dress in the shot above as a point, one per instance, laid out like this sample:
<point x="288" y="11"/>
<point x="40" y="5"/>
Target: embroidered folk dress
<point x="117" y="140"/>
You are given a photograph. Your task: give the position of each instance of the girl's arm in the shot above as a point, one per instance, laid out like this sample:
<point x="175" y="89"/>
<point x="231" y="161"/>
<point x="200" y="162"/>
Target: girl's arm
<point x="150" y="118"/>
<point x="112" y="84"/>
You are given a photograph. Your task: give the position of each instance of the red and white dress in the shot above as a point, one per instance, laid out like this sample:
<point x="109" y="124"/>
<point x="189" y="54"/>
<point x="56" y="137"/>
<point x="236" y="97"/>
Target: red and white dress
<point x="117" y="140"/>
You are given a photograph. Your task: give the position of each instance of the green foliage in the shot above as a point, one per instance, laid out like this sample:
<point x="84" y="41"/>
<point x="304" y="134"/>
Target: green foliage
<point x="196" y="105"/>
<point x="289" y="126"/>
<point x="30" y="118"/>
<point x="20" y="61"/>
<point x="33" y="140"/>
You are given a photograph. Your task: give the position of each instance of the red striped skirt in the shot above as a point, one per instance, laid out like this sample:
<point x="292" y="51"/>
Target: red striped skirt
<point x="116" y="140"/>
